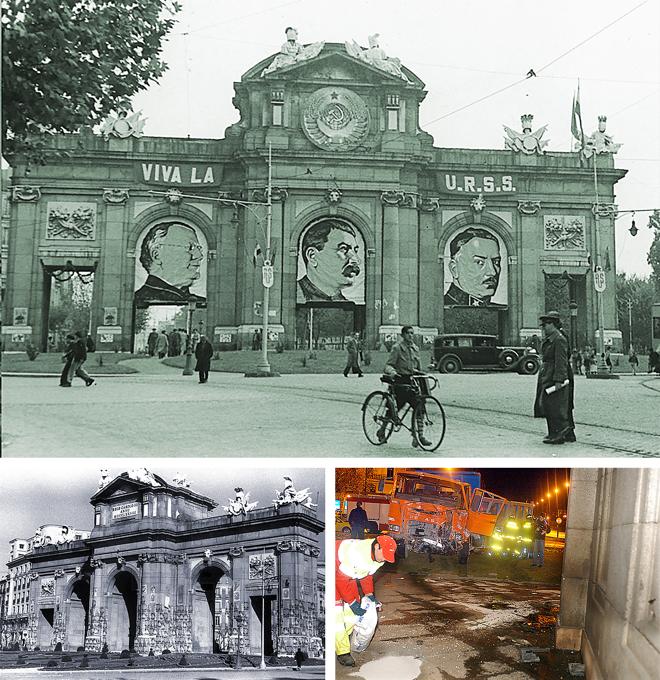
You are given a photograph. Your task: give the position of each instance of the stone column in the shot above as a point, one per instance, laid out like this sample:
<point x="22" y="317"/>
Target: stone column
<point x="112" y="268"/>
<point x="576" y="571"/>
<point x="530" y="279"/>
<point x="409" y="260"/>
<point x="430" y="270"/>
<point x="390" y="299"/>
<point x="24" y="289"/>
<point x="96" y="633"/>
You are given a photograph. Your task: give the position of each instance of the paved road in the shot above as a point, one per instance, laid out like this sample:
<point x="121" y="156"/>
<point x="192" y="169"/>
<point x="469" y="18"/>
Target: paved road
<point x="163" y="413"/>
<point x="436" y="626"/>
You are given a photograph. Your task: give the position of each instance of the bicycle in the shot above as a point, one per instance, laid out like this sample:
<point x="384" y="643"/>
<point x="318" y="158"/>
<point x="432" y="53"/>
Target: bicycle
<point x="378" y="422"/>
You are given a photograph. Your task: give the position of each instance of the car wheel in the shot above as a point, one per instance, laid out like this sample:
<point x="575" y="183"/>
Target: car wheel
<point x="529" y="366"/>
<point x="507" y="358"/>
<point x="345" y="531"/>
<point x="449" y="365"/>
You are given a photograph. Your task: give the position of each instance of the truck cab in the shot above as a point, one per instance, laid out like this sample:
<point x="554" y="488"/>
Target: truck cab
<point x="431" y="514"/>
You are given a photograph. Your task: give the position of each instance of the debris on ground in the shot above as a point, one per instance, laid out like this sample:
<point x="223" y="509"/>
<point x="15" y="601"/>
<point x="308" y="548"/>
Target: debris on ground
<point x="530" y="654"/>
<point x="541" y="621"/>
<point x="576" y="670"/>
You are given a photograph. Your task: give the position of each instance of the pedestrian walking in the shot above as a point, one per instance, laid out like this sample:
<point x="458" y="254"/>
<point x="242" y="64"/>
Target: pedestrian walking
<point x="256" y="340"/>
<point x="586" y="360"/>
<point x="152" y="340"/>
<point x="654" y="361"/>
<point x="194" y="339"/>
<point x="552" y="397"/>
<point x="358" y="521"/>
<point x="203" y="354"/>
<point x="183" y="341"/>
<point x="173" y="343"/>
<point x="161" y="345"/>
<point x="608" y="358"/>
<point x="576" y="362"/>
<point x="67" y="358"/>
<point x="299" y="657"/>
<point x="79" y="350"/>
<point x="633" y="360"/>
<point x="353" y="356"/>
<point x="538" y="547"/>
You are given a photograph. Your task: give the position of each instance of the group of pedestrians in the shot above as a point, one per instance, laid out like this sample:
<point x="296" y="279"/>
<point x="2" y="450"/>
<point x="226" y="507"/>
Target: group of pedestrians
<point x="78" y="344"/>
<point x="172" y="344"/>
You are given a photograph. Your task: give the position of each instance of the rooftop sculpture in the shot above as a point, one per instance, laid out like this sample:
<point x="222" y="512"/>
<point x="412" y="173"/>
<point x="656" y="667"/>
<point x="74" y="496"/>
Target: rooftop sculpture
<point x="293" y="52"/>
<point x="527" y="142"/>
<point x="375" y="56"/>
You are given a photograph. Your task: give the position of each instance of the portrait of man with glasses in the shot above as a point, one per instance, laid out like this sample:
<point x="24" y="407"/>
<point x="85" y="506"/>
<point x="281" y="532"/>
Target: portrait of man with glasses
<point x="172" y="256"/>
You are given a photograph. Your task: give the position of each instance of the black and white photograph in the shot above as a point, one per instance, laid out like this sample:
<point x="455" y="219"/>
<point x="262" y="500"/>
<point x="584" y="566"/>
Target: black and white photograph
<point x="128" y="568"/>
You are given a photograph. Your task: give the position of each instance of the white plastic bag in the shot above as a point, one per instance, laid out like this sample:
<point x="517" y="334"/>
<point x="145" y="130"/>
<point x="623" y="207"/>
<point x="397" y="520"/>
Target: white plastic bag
<point x="365" y="627"/>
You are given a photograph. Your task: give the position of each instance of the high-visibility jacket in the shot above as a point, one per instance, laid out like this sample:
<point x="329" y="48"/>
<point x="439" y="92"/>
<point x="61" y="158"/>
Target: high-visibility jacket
<point x="353" y="564"/>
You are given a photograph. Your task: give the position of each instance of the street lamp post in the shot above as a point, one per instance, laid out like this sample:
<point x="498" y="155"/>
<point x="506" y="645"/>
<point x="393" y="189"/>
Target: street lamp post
<point x="239" y="621"/>
<point x="188" y="367"/>
<point x="263" y="366"/>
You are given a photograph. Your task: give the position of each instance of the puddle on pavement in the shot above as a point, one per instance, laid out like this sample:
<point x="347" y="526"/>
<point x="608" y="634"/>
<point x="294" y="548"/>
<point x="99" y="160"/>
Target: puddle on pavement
<point x="391" y="668"/>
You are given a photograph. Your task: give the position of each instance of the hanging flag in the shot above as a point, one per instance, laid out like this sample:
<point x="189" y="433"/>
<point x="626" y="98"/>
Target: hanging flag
<point x="256" y="255"/>
<point x="576" y="119"/>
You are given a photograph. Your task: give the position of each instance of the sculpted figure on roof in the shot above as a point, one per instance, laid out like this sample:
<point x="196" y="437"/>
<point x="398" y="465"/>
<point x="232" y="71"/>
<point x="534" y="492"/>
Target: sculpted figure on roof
<point x="292" y="52"/>
<point x="375" y="55"/>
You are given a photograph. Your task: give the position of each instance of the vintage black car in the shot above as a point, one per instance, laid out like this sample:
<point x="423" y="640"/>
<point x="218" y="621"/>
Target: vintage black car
<point x="453" y="352"/>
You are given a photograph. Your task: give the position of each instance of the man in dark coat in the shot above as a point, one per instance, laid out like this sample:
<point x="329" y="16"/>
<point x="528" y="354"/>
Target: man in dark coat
<point x="353" y="356"/>
<point x="552" y="395"/>
<point x="358" y="520"/>
<point x="152" y="339"/>
<point x="79" y="350"/>
<point x="67" y="358"/>
<point x="203" y="354"/>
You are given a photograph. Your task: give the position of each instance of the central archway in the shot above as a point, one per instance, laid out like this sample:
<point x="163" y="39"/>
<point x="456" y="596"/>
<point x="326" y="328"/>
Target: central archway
<point x="211" y="611"/>
<point x="122" y="612"/>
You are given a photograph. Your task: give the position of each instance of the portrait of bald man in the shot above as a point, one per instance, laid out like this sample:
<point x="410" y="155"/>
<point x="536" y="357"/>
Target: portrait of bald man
<point x="172" y="256"/>
<point x="475" y="266"/>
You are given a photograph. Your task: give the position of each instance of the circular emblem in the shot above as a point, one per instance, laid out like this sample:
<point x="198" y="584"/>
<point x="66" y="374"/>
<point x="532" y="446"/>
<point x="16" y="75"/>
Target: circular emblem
<point x="335" y="119"/>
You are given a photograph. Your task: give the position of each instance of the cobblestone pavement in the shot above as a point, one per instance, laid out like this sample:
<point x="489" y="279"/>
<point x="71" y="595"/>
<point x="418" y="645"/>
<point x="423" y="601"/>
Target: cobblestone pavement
<point x="315" y="673"/>
<point x="463" y="628"/>
<point x="164" y="413"/>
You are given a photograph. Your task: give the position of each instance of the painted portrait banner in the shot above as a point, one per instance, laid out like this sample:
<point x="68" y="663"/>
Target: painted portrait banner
<point x="170" y="265"/>
<point x="475" y="261"/>
<point x="331" y="263"/>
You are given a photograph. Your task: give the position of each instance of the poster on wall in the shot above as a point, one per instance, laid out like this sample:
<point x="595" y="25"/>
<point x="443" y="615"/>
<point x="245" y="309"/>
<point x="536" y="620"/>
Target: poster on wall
<point x="475" y="261"/>
<point x="331" y="263"/>
<point x="170" y="264"/>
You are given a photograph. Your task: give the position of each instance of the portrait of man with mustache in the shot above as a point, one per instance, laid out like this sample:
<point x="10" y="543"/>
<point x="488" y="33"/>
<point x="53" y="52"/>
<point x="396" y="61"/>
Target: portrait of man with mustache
<point x="475" y="267"/>
<point x="330" y="250"/>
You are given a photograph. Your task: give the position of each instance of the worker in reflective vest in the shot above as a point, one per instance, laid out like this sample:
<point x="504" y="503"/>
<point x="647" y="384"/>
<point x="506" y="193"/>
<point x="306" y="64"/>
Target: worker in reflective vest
<point x="355" y="563"/>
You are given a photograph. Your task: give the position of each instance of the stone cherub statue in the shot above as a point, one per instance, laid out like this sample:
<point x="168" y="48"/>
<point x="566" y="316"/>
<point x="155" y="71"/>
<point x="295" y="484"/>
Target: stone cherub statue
<point x="292" y="52"/>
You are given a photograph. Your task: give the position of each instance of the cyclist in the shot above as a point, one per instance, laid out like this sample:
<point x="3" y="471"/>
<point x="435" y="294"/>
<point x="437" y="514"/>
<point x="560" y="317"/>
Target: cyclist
<point x="402" y="365"/>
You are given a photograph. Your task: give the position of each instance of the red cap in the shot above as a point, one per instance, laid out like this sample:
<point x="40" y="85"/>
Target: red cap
<point x="388" y="546"/>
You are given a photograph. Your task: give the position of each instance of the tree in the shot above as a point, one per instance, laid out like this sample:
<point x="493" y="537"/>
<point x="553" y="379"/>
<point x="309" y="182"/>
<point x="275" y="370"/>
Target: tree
<point x="640" y="292"/>
<point x="654" y="252"/>
<point x="69" y="63"/>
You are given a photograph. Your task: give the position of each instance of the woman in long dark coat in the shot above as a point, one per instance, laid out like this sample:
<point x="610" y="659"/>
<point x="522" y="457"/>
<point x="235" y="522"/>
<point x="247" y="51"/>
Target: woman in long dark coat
<point x="203" y="354"/>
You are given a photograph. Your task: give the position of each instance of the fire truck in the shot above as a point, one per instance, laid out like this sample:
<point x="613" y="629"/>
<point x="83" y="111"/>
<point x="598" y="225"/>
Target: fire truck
<point x="429" y="513"/>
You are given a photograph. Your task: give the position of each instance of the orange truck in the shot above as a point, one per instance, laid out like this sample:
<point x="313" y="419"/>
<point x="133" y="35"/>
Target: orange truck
<point x="431" y="514"/>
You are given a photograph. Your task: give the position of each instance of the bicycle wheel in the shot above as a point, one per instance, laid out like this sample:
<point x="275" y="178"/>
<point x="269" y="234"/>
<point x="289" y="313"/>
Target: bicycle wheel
<point x="430" y="414"/>
<point x="376" y="419"/>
